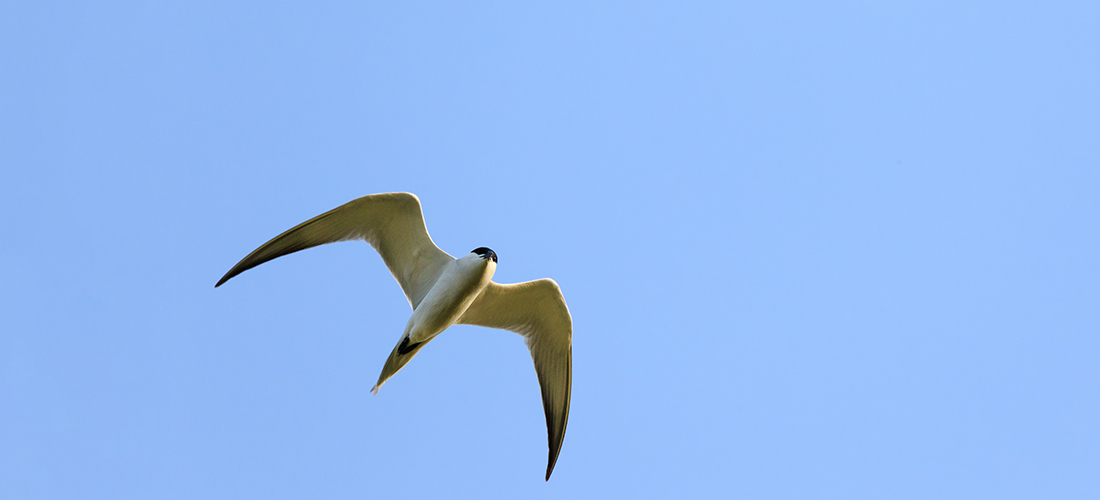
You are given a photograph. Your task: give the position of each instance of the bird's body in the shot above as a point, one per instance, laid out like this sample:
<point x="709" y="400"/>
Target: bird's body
<point x="444" y="291"/>
<point x="449" y="297"/>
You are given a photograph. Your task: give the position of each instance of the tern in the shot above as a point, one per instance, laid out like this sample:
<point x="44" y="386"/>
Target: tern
<point x="444" y="291"/>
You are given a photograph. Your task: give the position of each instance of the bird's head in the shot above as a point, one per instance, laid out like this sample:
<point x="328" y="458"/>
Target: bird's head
<point x="485" y="253"/>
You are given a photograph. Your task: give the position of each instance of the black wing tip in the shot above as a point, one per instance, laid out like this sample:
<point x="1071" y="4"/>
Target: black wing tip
<point x="237" y="269"/>
<point x="225" y="278"/>
<point x="552" y="460"/>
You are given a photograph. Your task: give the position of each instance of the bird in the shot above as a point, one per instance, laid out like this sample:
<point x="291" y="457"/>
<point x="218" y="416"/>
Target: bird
<point x="445" y="291"/>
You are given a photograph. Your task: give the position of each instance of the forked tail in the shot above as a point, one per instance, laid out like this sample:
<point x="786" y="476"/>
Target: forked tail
<point x="402" y="353"/>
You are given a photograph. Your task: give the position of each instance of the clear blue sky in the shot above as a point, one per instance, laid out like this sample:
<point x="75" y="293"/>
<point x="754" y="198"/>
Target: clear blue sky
<point x="812" y="249"/>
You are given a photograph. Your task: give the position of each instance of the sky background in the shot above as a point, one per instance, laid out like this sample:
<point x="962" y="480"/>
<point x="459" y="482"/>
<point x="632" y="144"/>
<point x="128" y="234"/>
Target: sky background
<point x="811" y="249"/>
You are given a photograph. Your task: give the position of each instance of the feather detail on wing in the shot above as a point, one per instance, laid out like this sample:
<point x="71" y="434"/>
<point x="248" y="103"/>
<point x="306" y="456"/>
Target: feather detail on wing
<point x="391" y="222"/>
<point x="537" y="311"/>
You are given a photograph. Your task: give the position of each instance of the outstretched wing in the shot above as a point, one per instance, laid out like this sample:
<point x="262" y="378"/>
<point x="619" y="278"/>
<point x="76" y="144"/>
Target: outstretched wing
<point x="537" y="311"/>
<point x="391" y="222"/>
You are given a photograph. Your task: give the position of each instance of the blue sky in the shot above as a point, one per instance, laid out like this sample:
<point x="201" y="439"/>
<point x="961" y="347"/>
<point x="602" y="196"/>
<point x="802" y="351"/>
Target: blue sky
<point x="812" y="250"/>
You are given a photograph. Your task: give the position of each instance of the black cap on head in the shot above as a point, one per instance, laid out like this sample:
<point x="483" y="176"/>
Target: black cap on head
<point x="485" y="253"/>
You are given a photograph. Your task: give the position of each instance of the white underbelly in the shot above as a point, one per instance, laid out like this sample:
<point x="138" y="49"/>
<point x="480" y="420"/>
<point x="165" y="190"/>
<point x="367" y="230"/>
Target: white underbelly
<point x="452" y="294"/>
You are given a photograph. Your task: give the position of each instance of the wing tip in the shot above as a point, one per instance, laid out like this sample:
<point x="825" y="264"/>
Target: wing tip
<point x="225" y="278"/>
<point x="553" y="459"/>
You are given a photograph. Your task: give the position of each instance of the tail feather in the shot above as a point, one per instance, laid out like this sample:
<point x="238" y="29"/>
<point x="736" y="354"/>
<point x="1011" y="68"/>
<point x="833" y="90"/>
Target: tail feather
<point x="402" y="354"/>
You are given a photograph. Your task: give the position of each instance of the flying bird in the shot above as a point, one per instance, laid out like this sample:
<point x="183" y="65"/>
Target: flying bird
<point x="444" y="291"/>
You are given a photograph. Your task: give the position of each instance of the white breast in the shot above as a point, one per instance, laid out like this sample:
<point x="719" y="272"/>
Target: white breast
<point x="452" y="294"/>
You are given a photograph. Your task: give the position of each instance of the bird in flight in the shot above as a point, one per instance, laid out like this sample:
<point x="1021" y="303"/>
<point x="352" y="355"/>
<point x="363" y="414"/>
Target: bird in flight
<point x="444" y="291"/>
